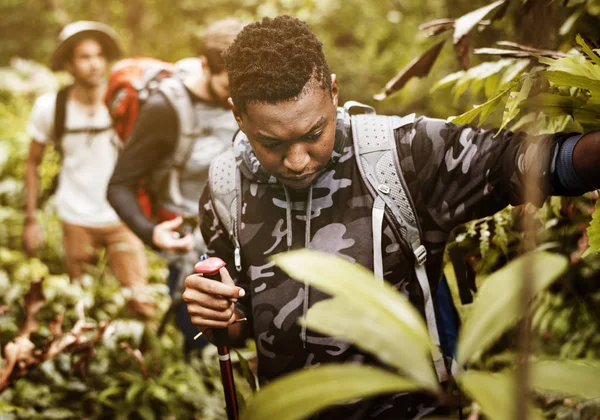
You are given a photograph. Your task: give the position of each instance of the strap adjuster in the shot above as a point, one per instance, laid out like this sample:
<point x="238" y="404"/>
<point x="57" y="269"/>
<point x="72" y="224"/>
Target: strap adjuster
<point x="384" y="189"/>
<point x="421" y="254"/>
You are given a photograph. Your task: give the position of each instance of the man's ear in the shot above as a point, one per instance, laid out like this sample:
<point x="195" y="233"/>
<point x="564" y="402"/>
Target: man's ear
<point x="334" y="89"/>
<point x="236" y="114"/>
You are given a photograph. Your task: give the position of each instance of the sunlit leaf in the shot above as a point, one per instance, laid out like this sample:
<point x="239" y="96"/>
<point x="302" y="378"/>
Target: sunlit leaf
<point x="593" y="231"/>
<point x="419" y="67"/>
<point x="562" y="78"/>
<point x="513" y="103"/>
<point x="463" y="27"/>
<point x="448" y="80"/>
<point x="514" y="71"/>
<point x="482" y="110"/>
<point x="587" y="50"/>
<point x="497" y="304"/>
<point x="338" y="319"/>
<point x="437" y="26"/>
<point x="358" y="288"/>
<point x="568" y="25"/>
<point x="495" y="393"/>
<point x="577" y="378"/>
<point x="306" y="392"/>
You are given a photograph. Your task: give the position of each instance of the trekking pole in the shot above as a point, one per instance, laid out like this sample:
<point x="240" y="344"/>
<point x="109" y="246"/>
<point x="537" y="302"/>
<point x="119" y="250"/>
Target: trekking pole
<point x="209" y="268"/>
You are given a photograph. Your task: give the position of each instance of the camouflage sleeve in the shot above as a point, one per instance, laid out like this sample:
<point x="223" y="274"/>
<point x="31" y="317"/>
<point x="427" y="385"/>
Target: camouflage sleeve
<point x="460" y="173"/>
<point x="219" y="245"/>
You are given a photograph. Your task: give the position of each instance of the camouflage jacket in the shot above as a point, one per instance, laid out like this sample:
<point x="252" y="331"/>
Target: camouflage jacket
<point x="454" y="174"/>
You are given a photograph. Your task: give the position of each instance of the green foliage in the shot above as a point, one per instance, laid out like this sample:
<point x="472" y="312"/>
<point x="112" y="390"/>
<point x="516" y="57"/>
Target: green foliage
<point x="348" y="283"/>
<point x="118" y="367"/>
<point x="578" y="378"/>
<point x="392" y="323"/>
<point x="495" y="393"/>
<point x="594" y="230"/>
<point x="309" y="391"/>
<point x="497" y="305"/>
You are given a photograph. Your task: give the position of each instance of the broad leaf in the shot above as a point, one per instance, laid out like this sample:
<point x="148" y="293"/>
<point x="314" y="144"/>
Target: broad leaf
<point x="495" y="393"/>
<point x="463" y="27"/>
<point x="437" y="26"/>
<point x="588" y="51"/>
<point x="497" y="305"/>
<point x="578" y="378"/>
<point x="466" y="23"/>
<point x="593" y="231"/>
<point x="306" y="392"/>
<point x="513" y="103"/>
<point x="419" y="67"/>
<point x="332" y="317"/>
<point x="448" y="80"/>
<point x="514" y="71"/>
<point x="358" y="288"/>
<point x="483" y="110"/>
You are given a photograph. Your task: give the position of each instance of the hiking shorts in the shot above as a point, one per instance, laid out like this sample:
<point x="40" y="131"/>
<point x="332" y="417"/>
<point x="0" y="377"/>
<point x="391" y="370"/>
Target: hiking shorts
<point x="124" y="252"/>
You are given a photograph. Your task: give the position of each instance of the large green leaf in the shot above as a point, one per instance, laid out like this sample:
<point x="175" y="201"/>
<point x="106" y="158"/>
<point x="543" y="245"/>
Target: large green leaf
<point x="497" y="305"/>
<point x="495" y="393"/>
<point x="482" y="110"/>
<point x="303" y="393"/>
<point x="587" y="50"/>
<point x="578" y="378"/>
<point x="332" y="318"/>
<point x="513" y="103"/>
<point x="593" y="231"/>
<point x="562" y="78"/>
<point x="364" y="297"/>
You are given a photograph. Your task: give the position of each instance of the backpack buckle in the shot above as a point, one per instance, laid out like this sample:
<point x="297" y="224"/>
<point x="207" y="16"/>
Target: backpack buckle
<point x="421" y="254"/>
<point x="384" y="189"/>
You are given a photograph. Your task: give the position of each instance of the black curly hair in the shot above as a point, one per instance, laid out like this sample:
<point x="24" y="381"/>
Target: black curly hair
<point x="274" y="60"/>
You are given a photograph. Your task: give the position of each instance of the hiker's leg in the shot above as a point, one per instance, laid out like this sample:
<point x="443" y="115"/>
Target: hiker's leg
<point x="80" y="248"/>
<point x="127" y="260"/>
<point x="125" y="255"/>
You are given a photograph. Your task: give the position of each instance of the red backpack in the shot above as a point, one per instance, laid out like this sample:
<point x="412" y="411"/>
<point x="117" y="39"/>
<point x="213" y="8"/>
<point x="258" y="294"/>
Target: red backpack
<point x="130" y="84"/>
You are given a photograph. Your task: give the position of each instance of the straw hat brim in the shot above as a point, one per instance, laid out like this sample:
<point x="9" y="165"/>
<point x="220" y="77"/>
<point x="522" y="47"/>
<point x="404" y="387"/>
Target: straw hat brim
<point x="110" y="47"/>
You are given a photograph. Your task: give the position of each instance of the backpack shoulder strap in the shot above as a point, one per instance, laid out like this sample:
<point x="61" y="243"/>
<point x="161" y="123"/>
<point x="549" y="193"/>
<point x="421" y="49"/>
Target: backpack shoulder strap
<point x="224" y="182"/>
<point x="377" y="159"/>
<point x="177" y="95"/>
<point x="60" y="117"/>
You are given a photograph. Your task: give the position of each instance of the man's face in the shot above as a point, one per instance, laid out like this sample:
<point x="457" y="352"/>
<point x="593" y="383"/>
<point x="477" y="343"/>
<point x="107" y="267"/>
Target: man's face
<point x="293" y="140"/>
<point x="218" y="86"/>
<point x="88" y="63"/>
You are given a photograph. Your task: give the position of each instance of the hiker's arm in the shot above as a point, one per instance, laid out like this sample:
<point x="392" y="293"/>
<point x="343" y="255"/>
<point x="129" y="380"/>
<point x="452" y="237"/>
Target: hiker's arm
<point x="219" y="245"/>
<point x="151" y="141"/>
<point x="40" y="131"/>
<point x="459" y="173"/>
<point x="32" y="236"/>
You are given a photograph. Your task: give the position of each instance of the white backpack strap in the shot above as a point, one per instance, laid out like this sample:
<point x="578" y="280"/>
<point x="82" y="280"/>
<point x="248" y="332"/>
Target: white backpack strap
<point x="378" y="163"/>
<point x="175" y="92"/>
<point x="223" y="181"/>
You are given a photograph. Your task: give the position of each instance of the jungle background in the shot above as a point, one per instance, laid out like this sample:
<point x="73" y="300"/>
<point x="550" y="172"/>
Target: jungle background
<point x="87" y="356"/>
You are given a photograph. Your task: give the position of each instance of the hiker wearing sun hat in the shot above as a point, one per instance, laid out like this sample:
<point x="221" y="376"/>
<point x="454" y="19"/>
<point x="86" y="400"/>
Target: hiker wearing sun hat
<point x="77" y="122"/>
<point x="74" y="32"/>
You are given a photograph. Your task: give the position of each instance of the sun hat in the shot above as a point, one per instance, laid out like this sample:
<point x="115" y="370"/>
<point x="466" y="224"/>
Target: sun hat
<point x="74" y="32"/>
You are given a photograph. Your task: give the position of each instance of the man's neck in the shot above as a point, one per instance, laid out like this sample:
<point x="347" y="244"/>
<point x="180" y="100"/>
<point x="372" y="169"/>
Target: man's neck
<point x="88" y="96"/>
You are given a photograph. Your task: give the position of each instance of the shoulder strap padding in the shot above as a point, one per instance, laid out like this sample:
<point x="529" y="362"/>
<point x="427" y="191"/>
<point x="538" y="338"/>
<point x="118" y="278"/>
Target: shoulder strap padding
<point x="60" y="116"/>
<point x="378" y="163"/>
<point x="177" y="95"/>
<point x="222" y="183"/>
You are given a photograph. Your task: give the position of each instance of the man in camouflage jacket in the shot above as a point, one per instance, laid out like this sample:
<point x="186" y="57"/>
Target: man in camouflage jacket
<point x="301" y="187"/>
